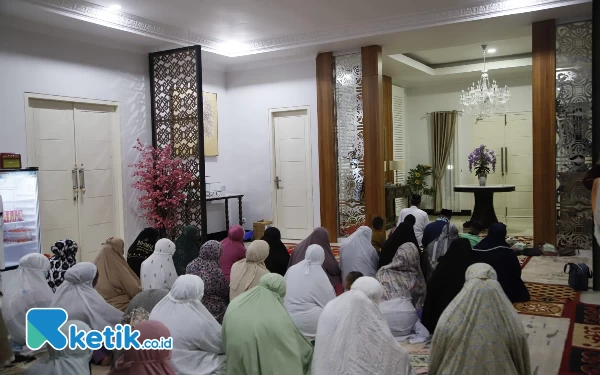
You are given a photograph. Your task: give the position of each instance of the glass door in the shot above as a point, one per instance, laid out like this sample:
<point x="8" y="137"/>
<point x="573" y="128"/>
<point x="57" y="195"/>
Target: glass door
<point x="19" y="194"/>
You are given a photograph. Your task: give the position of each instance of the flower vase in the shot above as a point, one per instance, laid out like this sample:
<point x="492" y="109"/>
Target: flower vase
<point x="482" y="180"/>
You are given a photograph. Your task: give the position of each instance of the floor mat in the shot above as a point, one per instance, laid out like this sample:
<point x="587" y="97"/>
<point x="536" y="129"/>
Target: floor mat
<point x="419" y="356"/>
<point x="547" y="300"/>
<point x="582" y="349"/>
<point x="550" y="269"/>
<point x="546" y="338"/>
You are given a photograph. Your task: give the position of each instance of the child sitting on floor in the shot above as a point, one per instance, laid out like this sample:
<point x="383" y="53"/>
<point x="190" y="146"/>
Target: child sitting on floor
<point x="475" y="228"/>
<point x="378" y="237"/>
<point x="351" y="277"/>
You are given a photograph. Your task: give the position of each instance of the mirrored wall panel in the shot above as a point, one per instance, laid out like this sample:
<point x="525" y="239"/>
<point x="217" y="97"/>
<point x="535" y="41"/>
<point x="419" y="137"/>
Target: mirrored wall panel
<point x="350" y="142"/>
<point x="573" y="135"/>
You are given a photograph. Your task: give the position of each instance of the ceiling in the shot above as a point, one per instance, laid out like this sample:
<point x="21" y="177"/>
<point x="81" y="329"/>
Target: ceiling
<point x="244" y="27"/>
<point x="448" y="55"/>
<point x="241" y="34"/>
<point x="247" y="20"/>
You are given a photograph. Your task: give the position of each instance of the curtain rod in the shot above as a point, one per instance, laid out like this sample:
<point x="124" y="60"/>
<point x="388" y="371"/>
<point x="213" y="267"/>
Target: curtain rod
<point x="460" y="113"/>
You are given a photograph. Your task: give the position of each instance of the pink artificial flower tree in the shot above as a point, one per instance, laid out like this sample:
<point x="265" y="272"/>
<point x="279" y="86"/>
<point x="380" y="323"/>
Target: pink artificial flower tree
<point x="162" y="180"/>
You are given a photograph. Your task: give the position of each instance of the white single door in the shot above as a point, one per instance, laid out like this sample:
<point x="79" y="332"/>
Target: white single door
<point x="490" y="132"/>
<point x="52" y="150"/>
<point x="94" y="156"/>
<point x="518" y="165"/>
<point x="293" y="182"/>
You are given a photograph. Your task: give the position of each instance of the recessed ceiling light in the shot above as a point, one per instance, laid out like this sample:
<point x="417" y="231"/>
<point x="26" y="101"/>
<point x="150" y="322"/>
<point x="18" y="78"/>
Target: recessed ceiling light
<point x="115" y="7"/>
<point x="491" y="50"/>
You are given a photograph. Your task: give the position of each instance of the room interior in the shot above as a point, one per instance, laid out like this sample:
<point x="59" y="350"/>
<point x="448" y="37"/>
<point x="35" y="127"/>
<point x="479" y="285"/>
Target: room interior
<point x="268" y="66"/>
<point x="431" y="80"/>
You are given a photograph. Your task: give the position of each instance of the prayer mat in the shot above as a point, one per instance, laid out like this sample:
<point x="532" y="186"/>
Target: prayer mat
<point x="552" y="293"/>
<point x="546" y="340"/>
<point x="419" y="356"/>
<point x="335" y="249"/>
<point x="547" y="299"/>
<point x="582" y="350"/>
<point x="550" y="269"/>
<point x="540" y="308"/>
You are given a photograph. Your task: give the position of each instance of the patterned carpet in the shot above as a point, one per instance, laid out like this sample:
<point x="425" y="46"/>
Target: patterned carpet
<point x="559" y="302"/>
<point x="419" y="356"/>
<point x="582" y="349"/>
<point x="547" y="300"/>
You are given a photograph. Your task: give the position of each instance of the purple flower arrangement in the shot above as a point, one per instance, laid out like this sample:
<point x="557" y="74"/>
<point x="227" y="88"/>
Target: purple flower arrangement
<point x="480" y="159"/>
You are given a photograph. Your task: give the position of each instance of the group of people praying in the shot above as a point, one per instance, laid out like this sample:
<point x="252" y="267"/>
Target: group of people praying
<point x="259" y="310"/>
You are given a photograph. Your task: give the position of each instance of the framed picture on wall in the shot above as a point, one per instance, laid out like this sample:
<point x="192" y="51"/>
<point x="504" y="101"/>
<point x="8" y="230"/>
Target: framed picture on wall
<point x="184" y="123"/>
<point x="211" y="124"/>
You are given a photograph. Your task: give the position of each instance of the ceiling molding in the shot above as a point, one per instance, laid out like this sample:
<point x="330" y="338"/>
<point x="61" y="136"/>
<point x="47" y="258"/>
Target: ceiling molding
<point x="466" y="67"/>
<point x="86" y="11"/>
<point x="100" y="15"/>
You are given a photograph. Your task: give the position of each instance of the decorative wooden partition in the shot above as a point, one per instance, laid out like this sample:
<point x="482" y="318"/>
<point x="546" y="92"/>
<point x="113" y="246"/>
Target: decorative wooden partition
<point x="176" y="108"/>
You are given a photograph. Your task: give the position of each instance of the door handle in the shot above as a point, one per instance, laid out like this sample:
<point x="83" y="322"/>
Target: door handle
<point x="506" y="156"/>
<point x="82" y="179"/>
<point x="502" y="160"/>
<point x="277" y="181"/>
<point x="75" y="187"/>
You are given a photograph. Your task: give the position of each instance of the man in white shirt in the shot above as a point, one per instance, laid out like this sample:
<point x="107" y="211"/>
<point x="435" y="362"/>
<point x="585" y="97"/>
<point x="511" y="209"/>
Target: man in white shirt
<point x="420" y="216"/>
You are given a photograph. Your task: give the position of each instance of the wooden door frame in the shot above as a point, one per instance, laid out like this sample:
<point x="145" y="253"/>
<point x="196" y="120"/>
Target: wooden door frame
<point x="308" y="151"/>
<point x="116" y="145"/>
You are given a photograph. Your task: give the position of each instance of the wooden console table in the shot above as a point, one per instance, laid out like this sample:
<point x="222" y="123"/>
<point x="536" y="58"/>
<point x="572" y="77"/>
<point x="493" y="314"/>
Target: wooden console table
<point x="392" y="192"/>
<point x="226" y="198"/>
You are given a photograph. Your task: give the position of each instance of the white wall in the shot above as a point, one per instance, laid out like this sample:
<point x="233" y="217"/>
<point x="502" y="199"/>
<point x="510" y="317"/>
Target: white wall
<point x="217" y="166"/>
<point x="418" y="130"/>
<point x="244" y="146"/>
<point x="37" y="63"/>
<point x="45" y="64"/>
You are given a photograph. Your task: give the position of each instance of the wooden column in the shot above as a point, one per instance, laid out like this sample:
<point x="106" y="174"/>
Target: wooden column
<point x="327" y="159"/>
<point x="373" y="132"/>
<point x="544" y="131"/>
<point x="388" y="125"/>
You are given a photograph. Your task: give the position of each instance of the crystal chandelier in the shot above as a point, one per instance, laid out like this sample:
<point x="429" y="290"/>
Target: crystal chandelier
<point x="485" y="100"/>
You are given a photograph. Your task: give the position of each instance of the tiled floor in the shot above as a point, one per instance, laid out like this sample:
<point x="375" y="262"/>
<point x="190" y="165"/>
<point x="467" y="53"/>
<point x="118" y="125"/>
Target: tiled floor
<point x="514" y="227"/>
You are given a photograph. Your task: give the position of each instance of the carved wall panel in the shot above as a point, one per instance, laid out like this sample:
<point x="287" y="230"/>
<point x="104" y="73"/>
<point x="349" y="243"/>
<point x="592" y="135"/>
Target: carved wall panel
<point x="175" y="85"/>
<point x="350" y="142"/>
<point x="573" y="135"/>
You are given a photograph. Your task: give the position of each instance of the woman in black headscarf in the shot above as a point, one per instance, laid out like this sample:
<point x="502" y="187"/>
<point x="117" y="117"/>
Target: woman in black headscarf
<point x="495" y="251"/>
<point x="447" y="281"/>
<point x="404" y="233"/>
<point x="187" y="248"/>
<point x="64" y="256"/>
<point x="278" y="259"/>
<point x="141" y="249"/>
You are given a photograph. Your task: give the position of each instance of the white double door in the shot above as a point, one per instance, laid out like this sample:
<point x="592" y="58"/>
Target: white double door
<point x="72" y="145"/>
<point x="511" y="139"/>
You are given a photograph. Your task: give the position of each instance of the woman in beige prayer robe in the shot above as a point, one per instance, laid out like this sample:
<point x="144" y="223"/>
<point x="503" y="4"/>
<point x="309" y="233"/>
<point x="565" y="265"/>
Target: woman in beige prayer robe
<point x="246" y="273"/>
<point x="117" y="283"/>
